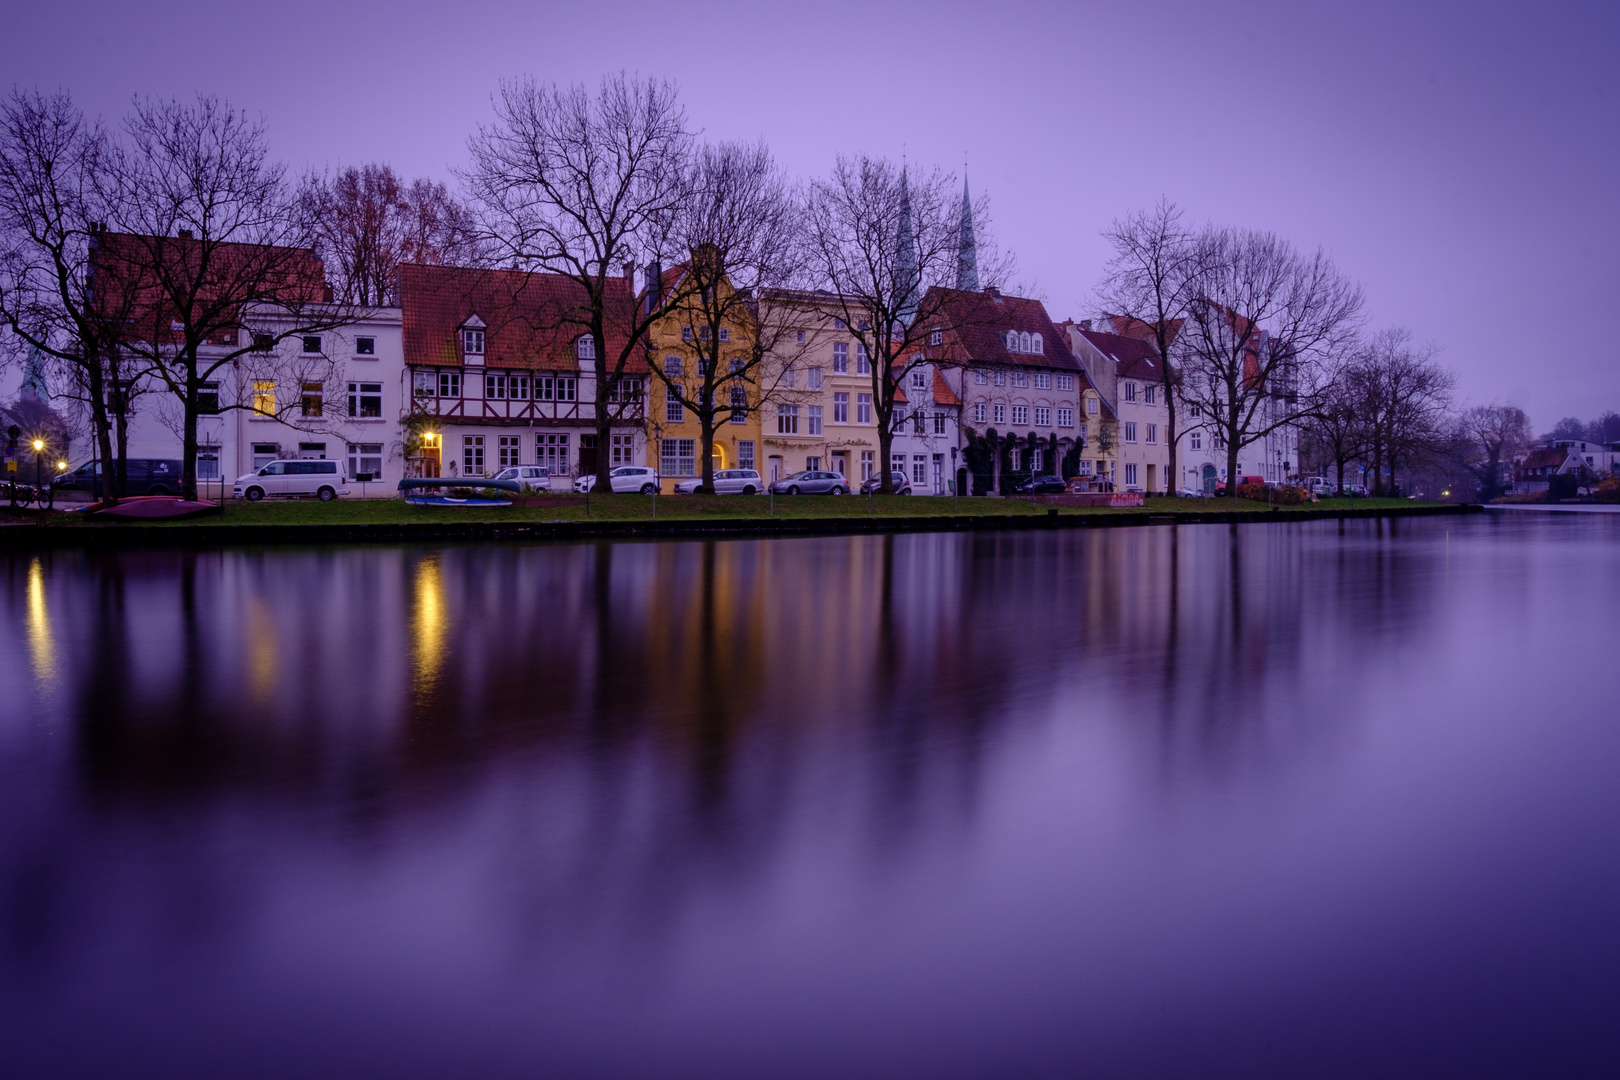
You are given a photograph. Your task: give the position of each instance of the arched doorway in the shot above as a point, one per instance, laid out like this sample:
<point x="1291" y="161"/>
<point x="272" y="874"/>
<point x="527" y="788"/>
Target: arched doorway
<point x="1209" y="479"/>
<point x="719" y="456"/>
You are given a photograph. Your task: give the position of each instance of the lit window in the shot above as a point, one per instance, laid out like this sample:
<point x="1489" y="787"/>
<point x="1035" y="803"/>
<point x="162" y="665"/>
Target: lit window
<point x="309" y="401"/>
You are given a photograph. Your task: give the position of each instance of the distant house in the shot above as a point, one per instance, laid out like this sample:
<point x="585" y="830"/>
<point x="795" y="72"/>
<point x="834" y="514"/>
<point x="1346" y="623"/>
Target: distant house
<point x="1533" y="475"/>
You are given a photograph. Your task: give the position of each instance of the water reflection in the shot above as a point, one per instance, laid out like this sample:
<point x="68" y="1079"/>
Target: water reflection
<point x="922" y="805"/>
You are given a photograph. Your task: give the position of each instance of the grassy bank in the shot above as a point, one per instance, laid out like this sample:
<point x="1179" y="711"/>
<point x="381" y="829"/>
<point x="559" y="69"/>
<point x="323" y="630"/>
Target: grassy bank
<point x="671" y="508"/>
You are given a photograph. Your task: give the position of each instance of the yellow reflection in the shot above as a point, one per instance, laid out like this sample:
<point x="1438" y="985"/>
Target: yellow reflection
<point x="261" y="652"/>
<point x="41" y="647"/>
<point x="428" y="626"/>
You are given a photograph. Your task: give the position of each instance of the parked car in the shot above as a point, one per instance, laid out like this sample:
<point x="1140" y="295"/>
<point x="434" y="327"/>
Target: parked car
<point x="726" y="482"/>
<point x="902" y="486"/>
<point x="291" y="479"/>
<point x="143" y="476"/>
<point x="537" y="477"/>
<point x="812" y="482"/>
<point x="1041" y="485"/>
<point x="1320" y="486"/>
<point x="625" y="480"/>
<point x="1193" y="493"/>
<point x="1355" y="491"/>
<point x="1220" y="488"/>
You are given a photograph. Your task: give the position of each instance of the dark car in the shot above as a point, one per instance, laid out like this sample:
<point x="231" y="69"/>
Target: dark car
<point x="1042" y="485"/>
<point x="143" y="476"/>
<point x="902" y="486"/>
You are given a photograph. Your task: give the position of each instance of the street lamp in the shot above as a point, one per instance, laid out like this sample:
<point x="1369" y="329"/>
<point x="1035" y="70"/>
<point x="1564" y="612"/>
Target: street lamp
<point x="39" y="462"/>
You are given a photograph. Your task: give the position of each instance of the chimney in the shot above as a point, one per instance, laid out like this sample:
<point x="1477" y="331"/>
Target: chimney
<point x="630" y="277"/>
<point x="655" y="286"/>
<point x="185" y="234"/>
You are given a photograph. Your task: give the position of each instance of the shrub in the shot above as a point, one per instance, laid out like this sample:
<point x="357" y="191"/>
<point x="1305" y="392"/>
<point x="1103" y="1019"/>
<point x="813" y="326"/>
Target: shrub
<point x="1290" y="496"/>
<point x="1608" y="491"/>
<point x="1257" y="492"/>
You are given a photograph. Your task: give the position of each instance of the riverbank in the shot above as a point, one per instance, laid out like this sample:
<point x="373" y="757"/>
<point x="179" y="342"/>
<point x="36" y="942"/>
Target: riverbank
<point x="652" y="517"/>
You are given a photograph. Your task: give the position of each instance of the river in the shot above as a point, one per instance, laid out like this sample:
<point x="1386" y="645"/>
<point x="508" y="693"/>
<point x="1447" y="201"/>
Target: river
<point x="1312" y="799"/>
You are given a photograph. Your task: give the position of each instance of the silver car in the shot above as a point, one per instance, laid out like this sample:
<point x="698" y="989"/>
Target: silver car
<point x="812" y="482"/>
<point x="534" y="477"/>
<point x="726" y="482"/>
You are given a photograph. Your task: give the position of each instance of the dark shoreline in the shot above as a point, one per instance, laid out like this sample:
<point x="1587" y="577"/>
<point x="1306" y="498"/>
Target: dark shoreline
<point x="216" y="536"/>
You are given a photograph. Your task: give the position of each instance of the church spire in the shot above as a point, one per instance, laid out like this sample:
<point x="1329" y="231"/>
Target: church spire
<point x="967" y="247"/>
<point x="907" y="276"/>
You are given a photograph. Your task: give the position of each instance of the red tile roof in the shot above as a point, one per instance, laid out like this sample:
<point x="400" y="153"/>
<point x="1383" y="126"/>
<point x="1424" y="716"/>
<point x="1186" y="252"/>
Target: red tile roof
<point x="943" y="394"/>
<point x="1134" y="358"/>
<point x="530" y="320"/>
<point x="978" y="322"/>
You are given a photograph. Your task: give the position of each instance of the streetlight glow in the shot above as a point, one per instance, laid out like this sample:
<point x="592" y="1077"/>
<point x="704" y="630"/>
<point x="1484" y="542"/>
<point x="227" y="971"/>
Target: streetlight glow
<point x="39" y="444"/>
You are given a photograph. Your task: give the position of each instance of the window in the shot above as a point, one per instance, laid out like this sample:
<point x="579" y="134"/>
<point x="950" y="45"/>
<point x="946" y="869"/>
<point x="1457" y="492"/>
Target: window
<point x="520" y="387"/>
<point x="739" y="405"/>
<point x="725" y="333"/>
<point x="790" y="378"/>
<point x="208" y="399"/>
<point x="495" y="387"/>
<point x="472" y="342"/>
<point x="1194" y="411"/>
<point x="472" y="455"/>
<point x="1000" y="412"/>
<point x="936" y="337"/>
<point x="919" y="468"/>
<point x="208" y="463"/>
<point x="812" y="464"/>
<point x="1024" y="344"/>
<point x="745" y="450"/>
<point x="863" y="363"/>
<point x="897" y="462"/>
<point x="674" y="411"/>
<point x="552" y="452"/>
<point x="365" y="459"/>
<point x="1129" y="391"/>
<point x="1196" y="440"/>
<point x="840" y="359"/>
<point x="863" y="408"/>
<point x="1065" y="418"/>
<point x="838" y="324"/>
<point x="1043" y="380"/>
<point x="1082" y="432"/>
<point x="980" y="378"/>
<point x="980" y="412"/>
<point x="939" y="423"/>
<point x="1152" y="433"/>
<point x="1036" y="458"/>
<point x="866" y="465"/>
<point x="309" y="402"/>
<point x="586" y="347"/>
<point x="365" y="346"/>
<point x="1020" y="415"/>
<point x="623" y="449"/>
<point x="678" y="457"/>
<point x="1065" y="382"/>
<point x="1091" y="406"/>
<point x="554" y="387"/>
<point x="686" y="333"/>
<point x="425" y="384"/>
<point x="1148" y="393"/>
<point x="812" y="378"/>
<point x="312" y="343"/>
<point x="919" y="378"/>
<point x="673" y="367"/>
<point x="840" y="408"/>
<point x="1130" y="474"/>
<point x="1036" y="346"/>
<point x="264" y="454"/>
<point x="449" y="384"/>
<point x="798" y="337"/>
<point x="627" y="390"/>
<point x="263" y="342"/>
<point x="1043" y="417"/>
<point x="365" y="400"/>
<point x="918" y="420"/>
<point x="264" y="397"/>
<point x="863" y="324"/>
<point x="813" y="420"/>
<point x="1001" y="378"/>
<point x="1130" y="431"/>
<point x="1020" y="378"/>
<point x="787" y="419"/>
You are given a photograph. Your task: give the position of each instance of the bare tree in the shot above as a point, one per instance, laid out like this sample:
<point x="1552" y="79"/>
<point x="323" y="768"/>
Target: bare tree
<point x="570" y="183"/>
<point x="742" y="224"/>
<point x="885" y="245"/>
<point x="1493" y="436"/>
<point x="368" y="221"/>
<point x="51" y="163"/>
<point x="1264" y="325"/>
<point x="1155" y="274"/>
<point x="217" y="247"/>
<point x="1405" y="399"/>
<point x="1336" y="426"/>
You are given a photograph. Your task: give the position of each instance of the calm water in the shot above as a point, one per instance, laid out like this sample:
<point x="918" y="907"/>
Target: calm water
<point x="1308" y="800"/>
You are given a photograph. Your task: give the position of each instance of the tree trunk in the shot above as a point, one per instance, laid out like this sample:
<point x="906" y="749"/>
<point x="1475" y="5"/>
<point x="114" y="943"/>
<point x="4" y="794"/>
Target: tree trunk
<point x="706" y="442"/>
<point x="1172" y="477"/>
<point x="604" y="423"/>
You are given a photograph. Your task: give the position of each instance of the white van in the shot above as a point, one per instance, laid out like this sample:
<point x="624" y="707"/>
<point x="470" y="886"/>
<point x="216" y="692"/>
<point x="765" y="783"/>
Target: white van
<point x="290" y="479"/>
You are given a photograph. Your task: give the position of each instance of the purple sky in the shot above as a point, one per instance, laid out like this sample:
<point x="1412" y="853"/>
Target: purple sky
<point x="1461" y="160"/>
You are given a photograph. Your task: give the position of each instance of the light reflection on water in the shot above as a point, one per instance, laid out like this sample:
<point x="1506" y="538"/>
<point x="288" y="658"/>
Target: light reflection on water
<point x="1328" y="799"/>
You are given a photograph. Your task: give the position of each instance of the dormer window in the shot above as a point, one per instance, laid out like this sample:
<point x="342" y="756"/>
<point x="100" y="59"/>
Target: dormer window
<point x="586" y="347"/>
<point x="472" y="342"/>
<point x="936" y="338"/>
<point x="1036" y="346"/>
<point x="919" y="378"/>
<point x="1024" y="342"/>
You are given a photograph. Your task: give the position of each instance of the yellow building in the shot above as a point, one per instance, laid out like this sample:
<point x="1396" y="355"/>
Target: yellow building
<point x="705" y="329"/>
